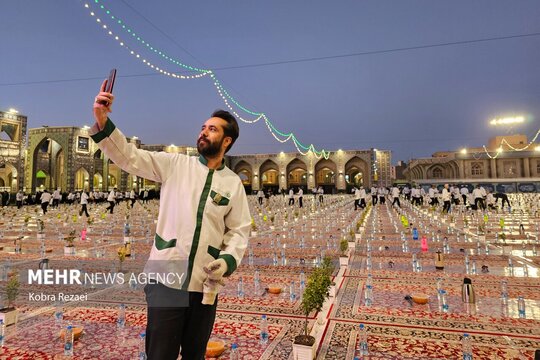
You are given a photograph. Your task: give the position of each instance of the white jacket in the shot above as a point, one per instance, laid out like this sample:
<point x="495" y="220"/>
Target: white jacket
<point x="203" y="213"/>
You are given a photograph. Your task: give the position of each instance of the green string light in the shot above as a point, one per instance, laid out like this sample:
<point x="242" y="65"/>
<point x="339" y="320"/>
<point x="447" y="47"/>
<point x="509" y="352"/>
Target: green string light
<point x="221" y="90"/>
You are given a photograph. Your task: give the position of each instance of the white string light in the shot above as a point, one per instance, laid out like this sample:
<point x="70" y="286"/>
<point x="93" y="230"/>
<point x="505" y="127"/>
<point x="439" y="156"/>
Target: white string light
<point x="222" y="92"/>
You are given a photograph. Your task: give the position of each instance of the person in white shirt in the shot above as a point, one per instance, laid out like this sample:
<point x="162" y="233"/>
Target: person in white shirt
<point x="407" y="193"/>
<point x="478" y="196"/>
<point x="381" y="192"/>
<point x="260" y="196"/>
<point x="395" y="196"/>
<point x="110" y="199"/>
<point x="422" y="194"/>
<point x="490" y="200"/>
<point x="300" y="197"/>
<point x="145" y="196"/>
<point x="19" y="199"/>
<point x="201" y="233"/>
<point x="45" y="199"/>
<point x="363" y="196"/>
<point x="455" y="195"/>
<point x="321" y="194"/>
<point x="433" y="196"/>
<point x="56" y="196"/>
<point x="446" y="199"/>
<point x="84" y="204"/>
<point x="356" y="199"/>
<point x="373" y="195"/>
<point x="291" y="197"/>
<point x="132" y="197"/>
<point x="464" y="192"/>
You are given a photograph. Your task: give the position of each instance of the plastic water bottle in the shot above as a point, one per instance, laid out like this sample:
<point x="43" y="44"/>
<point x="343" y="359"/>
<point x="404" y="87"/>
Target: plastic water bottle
<point x="510" y="266"/>
<point x="292" y="294"/>
<point x="240" y="288"/>
<point x="414" y="262"/>
<point x="504" y="292"/>
<point x="521" y="307"/>
<point x="234" y="352"/>
<point x="466" y="346"/>
<point x="58" y="312"/>
<point x="368" y="295"/>
<point x="274" y="259"/>
<point x="142" y="346"/>
<point x="121" y="321"/>
<point x="444" y="301"/>
<point x="264" y="330"/>
<point x="302" y="280"/>
<point x="467" y="264"/>
<point x="250" y="257"/>
<point x="68" y="341"/>
<point x="2" y="332"/>
<point x="525" y="270"/>
<point x="362" y="349"/>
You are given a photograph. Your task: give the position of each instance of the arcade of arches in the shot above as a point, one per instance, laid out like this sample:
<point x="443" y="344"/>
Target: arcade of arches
<point x="340" y="172"/>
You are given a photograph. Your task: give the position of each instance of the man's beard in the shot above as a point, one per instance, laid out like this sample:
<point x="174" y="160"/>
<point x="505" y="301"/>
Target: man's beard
<point x="208" y="148"/>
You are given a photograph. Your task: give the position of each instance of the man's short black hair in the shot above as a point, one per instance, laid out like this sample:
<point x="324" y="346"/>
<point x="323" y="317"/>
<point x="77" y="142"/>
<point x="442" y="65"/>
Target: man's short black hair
<point x="231" y="129"/>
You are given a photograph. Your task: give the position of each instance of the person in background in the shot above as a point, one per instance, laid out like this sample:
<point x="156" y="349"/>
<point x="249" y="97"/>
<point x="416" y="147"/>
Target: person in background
<point x="19" y="198"/>
<point x="45" y="199"/>
<point x="84" y="204"/>
<point x="110" y="199"/>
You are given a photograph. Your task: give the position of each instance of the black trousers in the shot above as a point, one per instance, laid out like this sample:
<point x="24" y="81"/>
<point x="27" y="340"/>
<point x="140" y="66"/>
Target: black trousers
<point x="110" y="207"/>
<point x="356" y="204"/>
<point x="362" y="203"/>
<point x="19" y="204"/>
<point x="168" y="328"/>
<point x="382" y="200"/>
<point x="446" y="207"/>
<point x="44" y="206"/>
<point x="396" y="200"/>
<point x="373" y="199"/>
<point x="300" y="202"/>
<point x="84" y="210"/>
<point x="260" y="200"/>
<point x="291" y="201"/>
<point x="482" y="204"/>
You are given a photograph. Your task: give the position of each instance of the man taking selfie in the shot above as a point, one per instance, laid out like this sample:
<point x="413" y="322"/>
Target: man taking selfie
<point x="202" y="229"/>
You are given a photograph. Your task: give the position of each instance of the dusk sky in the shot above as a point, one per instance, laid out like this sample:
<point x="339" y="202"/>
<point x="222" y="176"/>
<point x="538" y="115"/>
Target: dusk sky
<point x="329" y="71"/>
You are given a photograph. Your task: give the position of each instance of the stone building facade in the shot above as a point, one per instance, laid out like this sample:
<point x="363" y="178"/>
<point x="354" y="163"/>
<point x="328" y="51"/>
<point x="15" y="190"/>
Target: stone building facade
<point x="12" y="150"/>
<point x="66" y="157"/>
<point x="340" y="172"/>
<point x="505" y="169"/>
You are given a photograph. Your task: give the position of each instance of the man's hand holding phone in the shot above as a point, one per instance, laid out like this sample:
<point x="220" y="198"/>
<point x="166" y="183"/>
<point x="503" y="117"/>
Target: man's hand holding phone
<point x="104" y="100"/>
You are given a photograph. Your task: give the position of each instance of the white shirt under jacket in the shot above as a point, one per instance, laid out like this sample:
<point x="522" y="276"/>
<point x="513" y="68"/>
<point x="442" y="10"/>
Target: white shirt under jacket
<point x="203" y="213"/>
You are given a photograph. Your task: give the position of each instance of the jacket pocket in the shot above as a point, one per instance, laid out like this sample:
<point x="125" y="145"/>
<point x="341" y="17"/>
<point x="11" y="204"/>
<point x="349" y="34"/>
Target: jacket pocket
<point x="163" y="244"/>
<point x="214" y="252"/>
<point x="218" y="199"/>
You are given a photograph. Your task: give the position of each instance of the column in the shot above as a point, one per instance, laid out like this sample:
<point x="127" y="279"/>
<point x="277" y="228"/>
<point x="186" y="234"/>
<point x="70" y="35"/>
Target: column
<point x="493" y="166"/>
<point x="526" y="167"/>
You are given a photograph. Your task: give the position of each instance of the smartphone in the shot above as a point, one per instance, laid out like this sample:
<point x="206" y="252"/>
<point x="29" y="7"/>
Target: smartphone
<point x="109" y="85"/>
<point x="110" y="81"/>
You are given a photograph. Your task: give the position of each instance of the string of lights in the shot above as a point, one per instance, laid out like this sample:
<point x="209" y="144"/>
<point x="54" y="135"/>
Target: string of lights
<point x="222" y="92"/>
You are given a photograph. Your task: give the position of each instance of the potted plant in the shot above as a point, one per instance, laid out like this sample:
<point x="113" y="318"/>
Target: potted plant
<point x="328" y="266"/>
<point x="69" y="247"/>
<point x="10" y="314"/>
<point x="315" y="294"/>
<point x="272" y="218"/>
<point x="122" y="251"/>
<point x="40" y="229"/>
<point x="343" y="257"/>
<point x="253" y="227"/>
<point x="89" y="223"/>
<point x="352" y="239"/>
